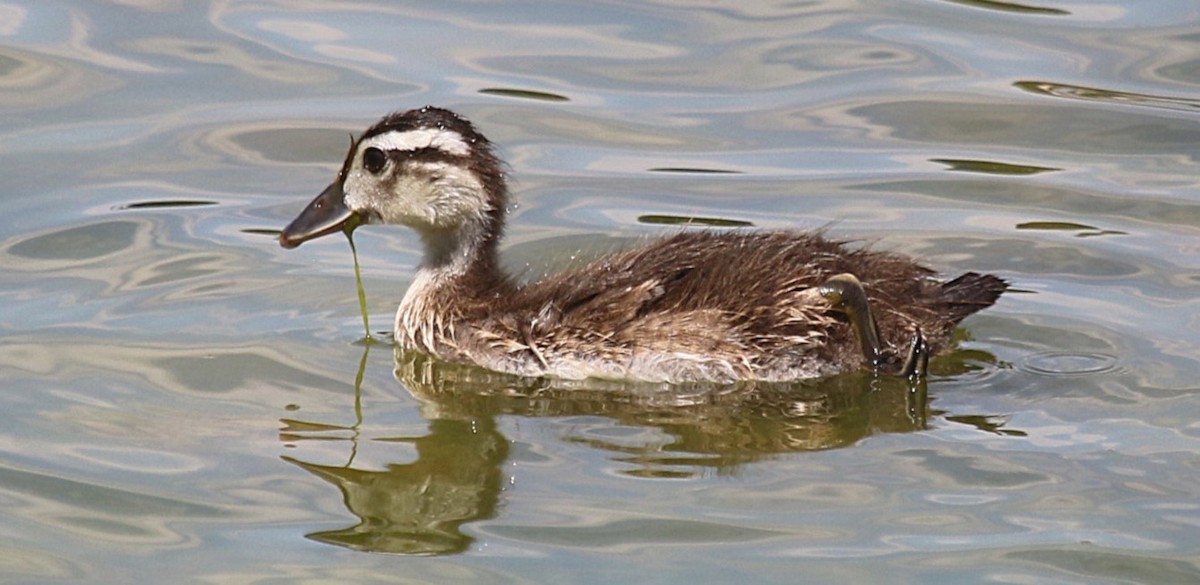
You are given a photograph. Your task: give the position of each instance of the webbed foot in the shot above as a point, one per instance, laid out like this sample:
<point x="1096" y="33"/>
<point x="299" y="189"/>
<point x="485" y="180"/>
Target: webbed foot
<point x="916" y="363"/>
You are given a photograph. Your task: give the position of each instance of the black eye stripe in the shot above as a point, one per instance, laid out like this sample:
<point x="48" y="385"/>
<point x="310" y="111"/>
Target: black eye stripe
<point x="374" y="159"/>
<point x="426" y="154"/>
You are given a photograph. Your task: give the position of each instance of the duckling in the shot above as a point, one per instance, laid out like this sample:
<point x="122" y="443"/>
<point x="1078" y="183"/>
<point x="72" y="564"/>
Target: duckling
<point x="695" y="306"/>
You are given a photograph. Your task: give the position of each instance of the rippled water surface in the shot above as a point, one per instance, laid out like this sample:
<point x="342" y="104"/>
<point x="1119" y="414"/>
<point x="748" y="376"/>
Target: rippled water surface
<point x="185" y="401"/>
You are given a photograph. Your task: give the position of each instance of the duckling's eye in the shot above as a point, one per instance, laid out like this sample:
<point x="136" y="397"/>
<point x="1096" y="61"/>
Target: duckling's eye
<point x="374" y="160"/>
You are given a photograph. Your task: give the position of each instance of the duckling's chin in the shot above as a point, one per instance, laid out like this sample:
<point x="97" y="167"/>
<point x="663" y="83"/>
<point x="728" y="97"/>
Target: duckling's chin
<point x="323" y="216"/>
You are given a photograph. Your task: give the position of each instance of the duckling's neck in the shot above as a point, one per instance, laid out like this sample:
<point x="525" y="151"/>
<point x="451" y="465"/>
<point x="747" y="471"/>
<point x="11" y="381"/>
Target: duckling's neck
<point x="450" y="253"/>
<point x="456" y="257"/>
<point x="463" y="254"/>
<point x="459" y="274"/>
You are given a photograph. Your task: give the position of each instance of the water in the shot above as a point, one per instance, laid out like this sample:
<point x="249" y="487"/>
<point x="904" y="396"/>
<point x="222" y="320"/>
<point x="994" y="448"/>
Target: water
<point x="184" y="401"/>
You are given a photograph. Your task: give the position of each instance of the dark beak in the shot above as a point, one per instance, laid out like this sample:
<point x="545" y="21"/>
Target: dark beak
<point x="326" y="214"/>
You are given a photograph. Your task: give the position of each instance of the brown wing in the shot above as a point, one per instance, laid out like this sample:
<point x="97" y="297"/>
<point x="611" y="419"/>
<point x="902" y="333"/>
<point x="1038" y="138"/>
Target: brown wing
<point x="732" y="292"/>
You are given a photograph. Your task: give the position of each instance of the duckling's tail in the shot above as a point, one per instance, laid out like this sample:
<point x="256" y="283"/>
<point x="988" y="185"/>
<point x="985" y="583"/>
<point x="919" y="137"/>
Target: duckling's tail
<point x="969" y="293"/>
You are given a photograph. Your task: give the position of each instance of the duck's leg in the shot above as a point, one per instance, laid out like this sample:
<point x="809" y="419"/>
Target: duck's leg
<point x="846" y="294"/>
<point x="916" y="363"/>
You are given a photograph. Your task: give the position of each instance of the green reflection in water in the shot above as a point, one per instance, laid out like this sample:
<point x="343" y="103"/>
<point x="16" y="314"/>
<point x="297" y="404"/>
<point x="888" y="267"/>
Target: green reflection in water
<point x="525" y="94"/>
<point x="1010" y="7"/>
<point x="989" y="424"/>
<point x="714" y="426"/>
<point x="420" y="507"/>
<point x="80" y="500"/>
<point x="1106" y="95"/>
<point x="79" y="243"/>
<point x="689" y="220"/>
<point x="1029" y="126"/>
<point x="1021" y="197"/>
<point x="290" y="145"/>
<point x="417" y="507"/>
<point x="273" y="232"/>
<point x="991" y="167"/>
<point x="696" y="170"/>
<point x="1066" y="226"/>
<point x="1106" y="566"/>
<point x="166" y="204"/>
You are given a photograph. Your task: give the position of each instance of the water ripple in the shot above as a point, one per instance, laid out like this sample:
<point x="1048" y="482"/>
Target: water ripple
<point x="1080" y="92"/>
<point x="1056" y="363"/>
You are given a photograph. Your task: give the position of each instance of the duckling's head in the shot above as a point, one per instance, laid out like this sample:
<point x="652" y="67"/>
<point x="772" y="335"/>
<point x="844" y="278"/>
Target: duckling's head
<point x="428" y="169"/>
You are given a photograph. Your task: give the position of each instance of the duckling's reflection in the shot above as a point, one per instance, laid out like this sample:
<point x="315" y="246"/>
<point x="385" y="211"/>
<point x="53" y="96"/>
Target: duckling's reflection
<point x="711" y="427"/>
<point x="420" y="507"/>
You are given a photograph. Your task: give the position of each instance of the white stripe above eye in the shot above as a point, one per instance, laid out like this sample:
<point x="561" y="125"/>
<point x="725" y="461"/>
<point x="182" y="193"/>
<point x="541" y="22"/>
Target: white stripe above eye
<point x="447" y="141"/>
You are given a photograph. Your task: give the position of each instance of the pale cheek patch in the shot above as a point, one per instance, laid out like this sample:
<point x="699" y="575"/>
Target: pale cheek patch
<point x="424" y="194"/>
<point x="364" y="192"/>
<point x="447" y="141"/>
<point x="457" y="193"/>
